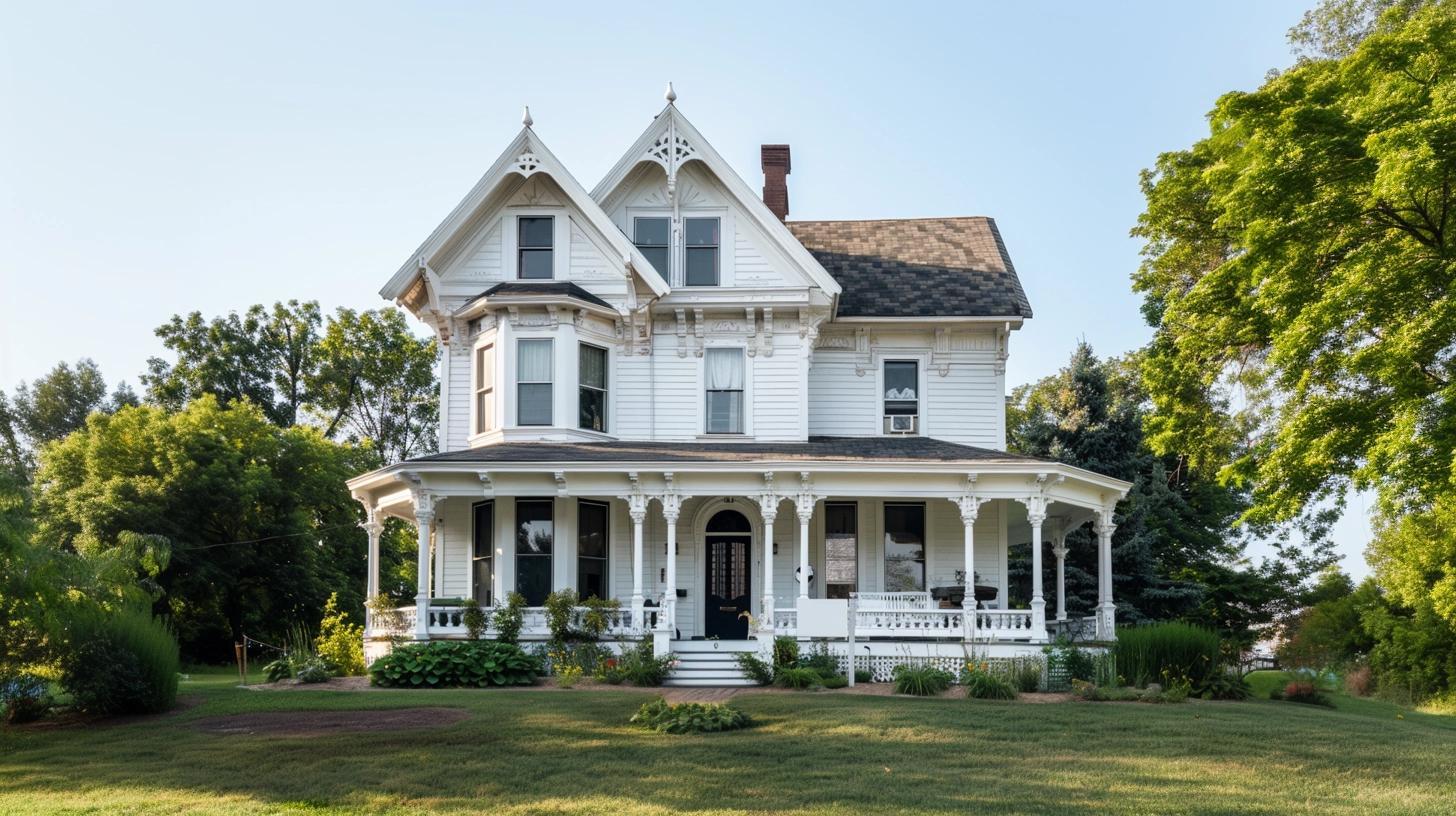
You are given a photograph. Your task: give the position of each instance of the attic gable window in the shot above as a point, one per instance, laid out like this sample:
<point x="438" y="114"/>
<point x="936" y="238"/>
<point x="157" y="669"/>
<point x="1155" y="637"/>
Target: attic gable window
<point x="701" y="262"/>
<point x="651" y="235"/>
<point x="533" y="247"/>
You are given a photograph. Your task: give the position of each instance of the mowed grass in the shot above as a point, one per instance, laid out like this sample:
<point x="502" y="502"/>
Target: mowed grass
<point x="573" y="752"/>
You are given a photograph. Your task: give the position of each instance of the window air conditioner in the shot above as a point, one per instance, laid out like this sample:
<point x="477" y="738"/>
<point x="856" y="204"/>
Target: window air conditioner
<point x="901" y="423"/>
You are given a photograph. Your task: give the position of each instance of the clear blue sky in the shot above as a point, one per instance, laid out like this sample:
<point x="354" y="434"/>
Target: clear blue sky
<point x="158" y="158"/>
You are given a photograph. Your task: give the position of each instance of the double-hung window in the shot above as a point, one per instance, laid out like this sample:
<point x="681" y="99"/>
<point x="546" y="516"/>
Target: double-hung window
<point x="533" y="382"/>
<point x="904" y="547"/>
<point x="533" y="247"/>
<point x="591" y="550"/>
<point x="653" y="237"/>
<point x="723" y="380"/>
<point x="482" y="563"/>
<point x="535" y="539"/>
<point x="841" y="549"/>
<point x="592" y="385"/>
<point x="702" y="250"/>
<point x="484" y="388"/>
<point x="902" y="396"/>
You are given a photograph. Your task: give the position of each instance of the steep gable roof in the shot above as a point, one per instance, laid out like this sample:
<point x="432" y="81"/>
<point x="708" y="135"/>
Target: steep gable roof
<point x="670" y="140"/>
<point x="917" y="267"/>
<point x="525" y="156"/>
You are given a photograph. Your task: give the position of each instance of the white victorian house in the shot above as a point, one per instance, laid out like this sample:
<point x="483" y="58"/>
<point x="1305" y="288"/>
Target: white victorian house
<point x="663" y="391"/>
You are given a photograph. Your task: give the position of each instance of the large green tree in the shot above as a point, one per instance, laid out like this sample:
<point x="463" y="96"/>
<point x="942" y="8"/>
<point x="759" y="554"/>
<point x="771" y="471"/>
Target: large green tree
<point x="53" y="405"/>
<point x="236" y="525"/>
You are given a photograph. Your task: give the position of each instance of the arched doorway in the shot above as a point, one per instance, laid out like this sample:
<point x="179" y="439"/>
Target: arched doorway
<point x="729" y="542"/>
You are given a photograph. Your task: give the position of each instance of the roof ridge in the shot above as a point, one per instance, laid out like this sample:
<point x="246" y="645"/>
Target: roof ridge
<point x="883" y="220"/>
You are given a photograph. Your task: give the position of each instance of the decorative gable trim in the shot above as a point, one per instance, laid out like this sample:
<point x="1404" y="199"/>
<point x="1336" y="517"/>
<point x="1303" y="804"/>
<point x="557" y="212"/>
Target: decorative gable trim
<point x="672" y="140"/>
<point x="525" y="156"/>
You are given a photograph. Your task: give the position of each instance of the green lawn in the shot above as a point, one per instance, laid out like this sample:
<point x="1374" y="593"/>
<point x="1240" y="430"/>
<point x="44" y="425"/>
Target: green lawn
<point x="551" y="752"/>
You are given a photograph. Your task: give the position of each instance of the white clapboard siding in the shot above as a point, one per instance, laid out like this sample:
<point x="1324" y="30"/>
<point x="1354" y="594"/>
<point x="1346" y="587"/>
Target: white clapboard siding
<point x="967" y="404"/>
<point x="841" y="403"/>
<point x="483" y="262"/>
<point x="456" y="413"/>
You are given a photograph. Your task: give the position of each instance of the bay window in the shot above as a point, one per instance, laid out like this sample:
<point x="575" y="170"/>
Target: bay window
<point x="484" y="388"/>
<point x="592" y="388"/>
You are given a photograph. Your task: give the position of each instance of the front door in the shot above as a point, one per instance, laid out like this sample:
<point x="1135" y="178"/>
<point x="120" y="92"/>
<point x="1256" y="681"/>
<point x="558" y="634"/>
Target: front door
<point x="729" y="542"/>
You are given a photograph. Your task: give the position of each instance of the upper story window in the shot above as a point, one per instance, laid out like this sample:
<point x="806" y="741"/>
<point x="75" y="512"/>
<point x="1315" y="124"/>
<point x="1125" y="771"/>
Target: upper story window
<point x="533" y="382"/>
<point x="533" y="246"/>
<point x="723" y="381"/>
<point x="653" y="237"/>
<point x="902" y="396"/>
<point x="703" y="236"/>
<point x="592" y="385"/>
<point x="484" y="388"/>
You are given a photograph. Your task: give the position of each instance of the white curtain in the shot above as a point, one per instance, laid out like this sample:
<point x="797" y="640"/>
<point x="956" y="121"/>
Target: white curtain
<point x="724" y="370"/>
<point x="533" y="361"/>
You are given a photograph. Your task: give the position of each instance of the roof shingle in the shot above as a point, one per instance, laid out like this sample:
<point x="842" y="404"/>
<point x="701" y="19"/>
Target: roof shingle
<point x="917" y="267"/>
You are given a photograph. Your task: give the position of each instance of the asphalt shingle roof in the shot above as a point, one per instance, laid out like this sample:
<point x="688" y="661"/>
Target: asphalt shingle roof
<point x="560" y="288"/>
<point x="917" y="267"/>
<point x="818" y="448"/>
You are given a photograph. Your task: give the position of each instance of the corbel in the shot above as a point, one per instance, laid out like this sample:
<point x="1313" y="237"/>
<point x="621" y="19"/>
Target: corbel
<point x="698" y="331"/>
<point x="513" y="315"/>
<point x="768" y="331"/>
<point x="487" y="487"/>
<point x="863" y="359"/>
<point x="751" y="315"/>
<point x="940" y="352"/>
<point x="682" y="331"/>
<point x="560" y="477"/>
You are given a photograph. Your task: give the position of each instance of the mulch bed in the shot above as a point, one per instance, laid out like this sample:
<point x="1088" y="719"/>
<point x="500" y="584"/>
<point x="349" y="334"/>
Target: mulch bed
<point x="324" y="723"/>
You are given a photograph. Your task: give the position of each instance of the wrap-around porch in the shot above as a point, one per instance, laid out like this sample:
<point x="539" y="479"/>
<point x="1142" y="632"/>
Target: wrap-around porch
<point x="885" y="548"/>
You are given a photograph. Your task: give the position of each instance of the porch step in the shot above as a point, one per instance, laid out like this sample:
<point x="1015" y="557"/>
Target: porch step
<point x="706" y="667"/>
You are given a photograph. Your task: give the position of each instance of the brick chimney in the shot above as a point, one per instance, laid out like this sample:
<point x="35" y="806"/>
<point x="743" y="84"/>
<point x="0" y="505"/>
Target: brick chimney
<point x="775" y="179"/>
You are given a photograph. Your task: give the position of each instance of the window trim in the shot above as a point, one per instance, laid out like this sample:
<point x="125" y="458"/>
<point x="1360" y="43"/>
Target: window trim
<point x="516" y="544"/>
<point x="924" y="541"/>
<point x="665" y="273"/>
<point x="922" y="367"/>
<point x="551" y="420"/>
<point x="480" y="389"/>
<point x="519" y="248"/>
<point x="474" y="548"/>
<point x="745" y="394"/>
<point x="606" y="556"/>
<point x="717" y="248"/>
<point x="605" y="390"/>
<point x="853" y="505"/>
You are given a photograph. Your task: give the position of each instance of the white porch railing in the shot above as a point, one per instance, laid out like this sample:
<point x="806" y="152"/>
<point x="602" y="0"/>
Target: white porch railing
<point x="894" y="600"/>
<point x="786" y="621"/>
<point x="449" y="621"/>
<point x="1010" y="624"/>
<point x="932" y="623"/>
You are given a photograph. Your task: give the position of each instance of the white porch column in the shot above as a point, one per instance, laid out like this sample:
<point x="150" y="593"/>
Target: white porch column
<point x="637" y="508"/>
<point x="1059" y="549"/>
<point x="374" y="528"/>
<point x="1106" y="610"/>
<point x="804" y="505"/>
<point x="424" y="506"/>
<point x="1035" y="515"/>
<point x="671" y="511"/>
<point x="970" y="507"/>
<point x="768" y="507"/>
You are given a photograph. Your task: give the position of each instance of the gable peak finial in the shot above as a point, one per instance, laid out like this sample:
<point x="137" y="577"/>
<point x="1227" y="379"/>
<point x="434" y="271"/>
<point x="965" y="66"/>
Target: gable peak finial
<point x="526" y="116"/>
<point x="670" y="95"/>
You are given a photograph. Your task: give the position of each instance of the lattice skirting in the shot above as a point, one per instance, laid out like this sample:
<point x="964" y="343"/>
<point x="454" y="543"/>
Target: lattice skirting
<point x="882" y="667"/>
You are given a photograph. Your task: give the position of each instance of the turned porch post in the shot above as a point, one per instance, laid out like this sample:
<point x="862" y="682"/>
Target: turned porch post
<point x="768" y="508"/>
<point x="1059" y="549"/>
<point x="1106" y="610"/>
<point x="804" y="505"/>
<point x="424" y="507"/>
<point x="671" y="510"/>
<point x="970" y="507"/>
<point x="1036" y="514"/>
<point x="637" y="508"/>
<point x="374" y="528"/>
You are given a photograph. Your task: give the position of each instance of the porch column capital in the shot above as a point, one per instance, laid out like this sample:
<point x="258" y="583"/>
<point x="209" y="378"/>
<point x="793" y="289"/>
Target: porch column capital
<point x="1102" y="522"/>
<point x="969" y="505"/>
<point x="805" y="499"/>
<point x="424" y="505"/>
<point x="672" y="505"/>
<point x="1060" y="550"/>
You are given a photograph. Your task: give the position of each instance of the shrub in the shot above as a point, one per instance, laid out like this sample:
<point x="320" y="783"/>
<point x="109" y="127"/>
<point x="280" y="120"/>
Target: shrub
<point x="508" y="618"/>
<point x="1024" y="673"/>
<point x="313" y="669"/>
<point x="560" y="605"/>
<point x="641" y="668"/>
<point x="785" y="652"/>
<point x="1222" y="686"/>
<point x="820" y="660"/>
<point x="122" y="662"/>
<point x="1359" y="682"/>
<point x="1065" y="663"/>
<point x="1147" y="654"/>
<point x="1302" y="691"/>
<point x="921" y="681"/>
<point x="983" y="684"/>
<point x="340" y="643"/>
<point x="835" y="681"/>
<point x="475" y="620"/>
<point x="567" y="674"/>
<point x="798" y="677"/>
<point x="863" y="676"/>
<point x="597" y="617"/>
<point x="445" y="664"/>
<point x="24" y="698"/>
<point x="689" y="718"/>
<point x="755" y="668"/>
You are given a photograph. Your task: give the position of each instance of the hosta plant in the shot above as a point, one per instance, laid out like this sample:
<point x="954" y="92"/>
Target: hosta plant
<point x="689" y="718"/>
<point x="447" y="664"/>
